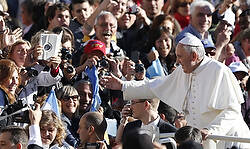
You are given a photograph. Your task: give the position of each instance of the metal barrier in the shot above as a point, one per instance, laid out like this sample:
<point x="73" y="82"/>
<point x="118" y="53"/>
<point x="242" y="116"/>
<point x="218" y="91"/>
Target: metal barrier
<point x="213" y="137"/>
<point x="169" y="140"/>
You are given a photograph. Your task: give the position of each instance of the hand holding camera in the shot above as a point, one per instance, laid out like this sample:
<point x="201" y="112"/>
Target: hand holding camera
<point x="68" y="70"/>
<point x="142" y="16"/>
<point x="133" y="10"/>
<point x="35" y="115"/>
<point x="54" y="62"/>
<point x="37" y="51"/>
<point x="128" y="67"/>
<point x="126" y="111"/>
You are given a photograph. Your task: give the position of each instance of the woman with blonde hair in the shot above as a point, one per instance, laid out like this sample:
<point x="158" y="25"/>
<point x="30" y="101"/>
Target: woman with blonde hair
<point x="9" y="81"/>
<point x="52" y="131"/>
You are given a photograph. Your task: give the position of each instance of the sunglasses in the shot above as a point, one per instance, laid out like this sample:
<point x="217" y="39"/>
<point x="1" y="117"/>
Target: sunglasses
<point x="210" y="52"/>
<point x="74" y="98"/>
<point x="184" y="4"/>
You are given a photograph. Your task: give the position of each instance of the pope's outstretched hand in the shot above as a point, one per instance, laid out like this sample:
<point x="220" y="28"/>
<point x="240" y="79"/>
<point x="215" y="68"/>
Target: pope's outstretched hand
<point x="111" y="82"/>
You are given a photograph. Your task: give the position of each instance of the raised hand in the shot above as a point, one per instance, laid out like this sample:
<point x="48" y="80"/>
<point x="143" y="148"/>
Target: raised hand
<point x="111" y="82"/>
<point x="35" y="115"/>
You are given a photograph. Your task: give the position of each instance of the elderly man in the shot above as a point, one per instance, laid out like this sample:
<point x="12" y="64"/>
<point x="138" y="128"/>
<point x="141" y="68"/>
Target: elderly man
<point x="201" y="20"/>
<point x="105" y="28"/>
<point x="203" y="88"/>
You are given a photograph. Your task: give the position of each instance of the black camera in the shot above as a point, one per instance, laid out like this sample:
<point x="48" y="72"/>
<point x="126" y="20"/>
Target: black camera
<point x="69" y="68"/>
<point x="103" y="63"/>
<point x="32" y="72"/>
<point x="65" y="54"/>
<point x="22" y="117"/>
<point x="139" y="68"/>
<point x="92" y="146"/>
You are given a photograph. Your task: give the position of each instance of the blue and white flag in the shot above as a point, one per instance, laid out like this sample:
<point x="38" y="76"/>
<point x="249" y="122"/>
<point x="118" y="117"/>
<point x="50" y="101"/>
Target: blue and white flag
<point x="51" y="103"/>
<point x="155" y="69"/>
<point x="93" y="76"/>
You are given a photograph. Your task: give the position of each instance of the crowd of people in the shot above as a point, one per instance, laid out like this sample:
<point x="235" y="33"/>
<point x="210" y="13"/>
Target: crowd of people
<point x="124" y="71"/>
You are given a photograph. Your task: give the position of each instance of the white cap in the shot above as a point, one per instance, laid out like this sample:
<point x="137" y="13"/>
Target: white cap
<point x="238" y="66"/>
<point x="191" y="40"/>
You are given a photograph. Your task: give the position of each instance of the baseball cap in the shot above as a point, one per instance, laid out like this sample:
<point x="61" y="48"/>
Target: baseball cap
<point x="208" y="44"/>
<point x="238" y="66"/>
<point x="95" y="45"/>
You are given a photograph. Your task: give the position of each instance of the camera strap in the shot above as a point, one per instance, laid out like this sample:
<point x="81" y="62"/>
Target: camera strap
<point x="17" y="112"/>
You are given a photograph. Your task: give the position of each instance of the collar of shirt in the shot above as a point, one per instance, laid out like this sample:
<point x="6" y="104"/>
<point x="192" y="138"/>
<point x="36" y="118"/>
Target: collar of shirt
<point x="203" y="65"/>
<point x="153" y="123"/>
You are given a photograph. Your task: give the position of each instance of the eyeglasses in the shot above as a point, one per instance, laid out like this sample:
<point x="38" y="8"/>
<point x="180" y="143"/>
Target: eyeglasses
<point x="74" y="98"/>
<point x="184" y="4"/>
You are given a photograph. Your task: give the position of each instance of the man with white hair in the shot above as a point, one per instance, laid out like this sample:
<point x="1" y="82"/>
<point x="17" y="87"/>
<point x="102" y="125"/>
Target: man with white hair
<point x="205" y="89"/>
<point x="200" y="21"/>
<point x="105" y="28"/>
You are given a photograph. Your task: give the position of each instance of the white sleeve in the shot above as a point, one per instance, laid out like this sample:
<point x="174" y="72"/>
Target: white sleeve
<point x="35" y="135"/>
<point x="137" y="90"/>
<point x="225" y="121"/>
<point x="45" y="79"/>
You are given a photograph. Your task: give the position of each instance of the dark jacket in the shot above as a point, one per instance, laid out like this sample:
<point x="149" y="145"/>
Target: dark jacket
<point x="8" y="120"/>
<point x="164" y="127"/>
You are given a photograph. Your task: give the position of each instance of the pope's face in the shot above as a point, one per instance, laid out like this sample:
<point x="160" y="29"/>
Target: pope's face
<point x="184" y="58"/>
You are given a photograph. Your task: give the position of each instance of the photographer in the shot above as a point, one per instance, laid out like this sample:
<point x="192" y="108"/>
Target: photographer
<point x="69" y="72"/>
<point x="9" y="80"/>
<point x="93" y="52"/>
<point x="42" y="73"/>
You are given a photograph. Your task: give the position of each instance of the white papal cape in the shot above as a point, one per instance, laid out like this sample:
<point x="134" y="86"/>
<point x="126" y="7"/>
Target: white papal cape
<point x="210" y="95"/>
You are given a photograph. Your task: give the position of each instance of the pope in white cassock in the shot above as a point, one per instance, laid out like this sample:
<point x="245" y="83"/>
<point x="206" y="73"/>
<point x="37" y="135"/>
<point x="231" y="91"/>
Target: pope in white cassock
<point x="205" y="89"/>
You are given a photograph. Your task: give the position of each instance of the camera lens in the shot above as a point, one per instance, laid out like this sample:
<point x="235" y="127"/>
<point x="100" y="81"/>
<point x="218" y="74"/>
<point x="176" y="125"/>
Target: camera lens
<point x="47" y="47"/>
<point x="65" y="54"/>
<point x="70" y="69"/>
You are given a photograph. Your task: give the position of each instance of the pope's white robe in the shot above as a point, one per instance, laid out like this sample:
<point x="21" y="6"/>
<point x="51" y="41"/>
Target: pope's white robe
<point x="210" y="94"/>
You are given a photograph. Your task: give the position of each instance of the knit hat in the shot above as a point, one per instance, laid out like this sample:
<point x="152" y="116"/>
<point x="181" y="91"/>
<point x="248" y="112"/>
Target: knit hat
<point x="93" y="45"/>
